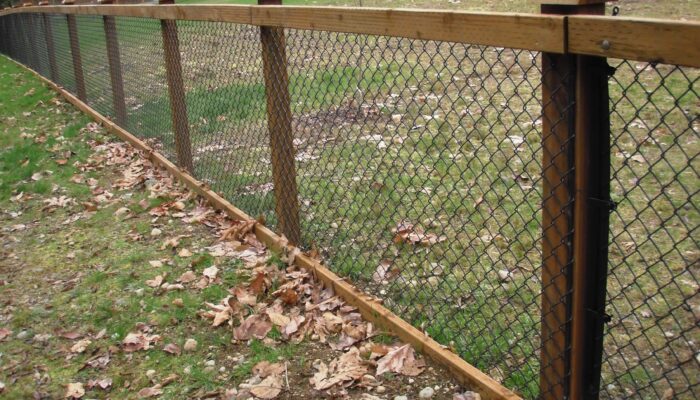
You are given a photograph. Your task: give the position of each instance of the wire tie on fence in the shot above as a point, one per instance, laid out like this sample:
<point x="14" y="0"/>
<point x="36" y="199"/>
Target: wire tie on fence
<point x="605" y="317"/>
<point x="612" y="206"/>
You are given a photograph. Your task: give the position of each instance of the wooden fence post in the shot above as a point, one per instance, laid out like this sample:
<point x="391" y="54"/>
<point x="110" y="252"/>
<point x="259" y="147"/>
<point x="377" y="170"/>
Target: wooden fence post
<point x="576" y="179"/>
<point x="279" y="121"/>
<point x="50" y="49"/>
<point x="176" y="90"/>
<point x="115" y="67"/>
<point x="75" y="53"/>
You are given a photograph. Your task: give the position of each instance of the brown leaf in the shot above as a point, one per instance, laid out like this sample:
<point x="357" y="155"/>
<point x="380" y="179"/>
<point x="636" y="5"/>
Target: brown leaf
<point x="258" y="285"/>
<point x="265" y="368"/>
<point x="289" y="297"/>
<point x="255" y="326"/>
<point x="401" y="360"/>
<point x="244" y="296"/>
<point x="211" y="272"/>
<point x="153" y="391"/>
<point x="80" y="346"/>
<point x="346" y="368"/>
<point x="103" y="384"/>
<point x="74" y="391"/>
<point x="4" y="332"/>
<point x="187" y="277"/>
<point x="138" y="341"/>
<point x="172" y="348"/>
<point x="238" y="230"/>
<point x="155" y="282"/>
<point x="269" y="388"/>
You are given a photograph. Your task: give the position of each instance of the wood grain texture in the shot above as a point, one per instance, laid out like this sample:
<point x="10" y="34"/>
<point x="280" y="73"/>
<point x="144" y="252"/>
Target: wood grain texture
<point x="176" y="93"/>
<point x="661" y="41"/>
<point x="557" y="166"/>
<point x="279" y="122"/>
<point x="370" y="309"/>
<point x="534" y="32"/>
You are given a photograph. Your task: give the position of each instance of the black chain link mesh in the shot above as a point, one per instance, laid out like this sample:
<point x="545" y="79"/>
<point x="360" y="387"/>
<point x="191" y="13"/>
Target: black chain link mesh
<point x="434" y="175"/>
<point x="652" y="343"/>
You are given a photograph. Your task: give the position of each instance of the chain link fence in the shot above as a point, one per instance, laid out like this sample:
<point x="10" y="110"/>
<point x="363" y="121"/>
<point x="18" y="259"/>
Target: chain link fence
<point x="434" y="175"/>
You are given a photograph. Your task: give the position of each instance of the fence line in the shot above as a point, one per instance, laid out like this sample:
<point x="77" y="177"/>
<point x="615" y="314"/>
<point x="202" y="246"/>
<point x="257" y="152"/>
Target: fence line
<point x="414" y="151"/>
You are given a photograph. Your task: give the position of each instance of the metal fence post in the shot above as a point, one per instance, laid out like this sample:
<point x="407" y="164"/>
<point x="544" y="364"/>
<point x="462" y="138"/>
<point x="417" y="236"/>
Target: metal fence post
<point x="577" y="126"/>
<point x="115" y="67"/>
<point x="75" y="53"/>
<point x="279" y="121"/>
<point x="176" y="90"/>
<point x="50" y="49"/>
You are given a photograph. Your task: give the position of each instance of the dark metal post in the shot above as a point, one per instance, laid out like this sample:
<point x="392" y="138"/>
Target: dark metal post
<point x="115" y="67"/>
<point x="279" y="121"/>
<point x="176" y="90"/>
<point x="50" y="49"/>
<point x="75" y="53"/>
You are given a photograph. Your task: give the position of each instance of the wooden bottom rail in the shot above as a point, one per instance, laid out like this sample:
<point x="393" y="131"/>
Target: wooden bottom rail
<point x="370" y="309"/>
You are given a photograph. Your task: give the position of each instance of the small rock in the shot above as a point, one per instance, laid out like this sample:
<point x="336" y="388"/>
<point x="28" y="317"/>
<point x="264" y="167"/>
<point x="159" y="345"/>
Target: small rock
<point x="210" y="363"/>
<point x="150" y="373"/>
<point x="190" y="345"/>
<point x="400" y="397"/>
<point x="22" y="335"/>
<point x="139" y="292"/>
<point x="380" y="389"/>
<point x="222" y="369"/>
<point x="504" y="275"/>
<point x="178" y="303"/>
<point x="426" y="393"/>
<point x="411" y="380"/>
<point x="156" y="232"/>
<point x="187" y="370"/>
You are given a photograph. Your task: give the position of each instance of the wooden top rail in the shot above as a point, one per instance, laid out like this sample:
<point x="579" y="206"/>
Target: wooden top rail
<point x="640" y="39"/>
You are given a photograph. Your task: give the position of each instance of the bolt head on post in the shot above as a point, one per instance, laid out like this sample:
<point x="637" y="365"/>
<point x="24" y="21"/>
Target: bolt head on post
<point x="68" y="2"/>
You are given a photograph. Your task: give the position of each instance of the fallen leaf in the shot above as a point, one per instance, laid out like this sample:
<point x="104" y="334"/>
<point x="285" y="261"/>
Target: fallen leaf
<point x="255" y="326"/>
<point x="187" y="277"/>
<point x="172" y="348"/>
<point x="347" y="368"/>
<point x="80" y="346"/>
<point x="269" y="388"/>
<point x="4" y="332"/>
<point x="211" y="272"/>
<point x="155" y="282"/>
<point x="74" y="391"/>
<point x="150" y="392"/>
<point x="184" y="253"/>
<point x="401" y="360"/>
<point x="258" y="285"/>
<point x="103" y="384"/>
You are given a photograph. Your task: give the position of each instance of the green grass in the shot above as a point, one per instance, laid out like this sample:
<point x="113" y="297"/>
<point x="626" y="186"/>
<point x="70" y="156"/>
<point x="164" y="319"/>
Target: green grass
<point x="86" y="276"/>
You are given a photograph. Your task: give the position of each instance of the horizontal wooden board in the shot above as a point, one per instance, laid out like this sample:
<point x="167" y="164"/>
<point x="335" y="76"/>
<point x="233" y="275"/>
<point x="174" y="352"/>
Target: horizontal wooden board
<point x="662" y="41"/>
<point x="534" y="32"/>
<point x="204" y="12"/>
